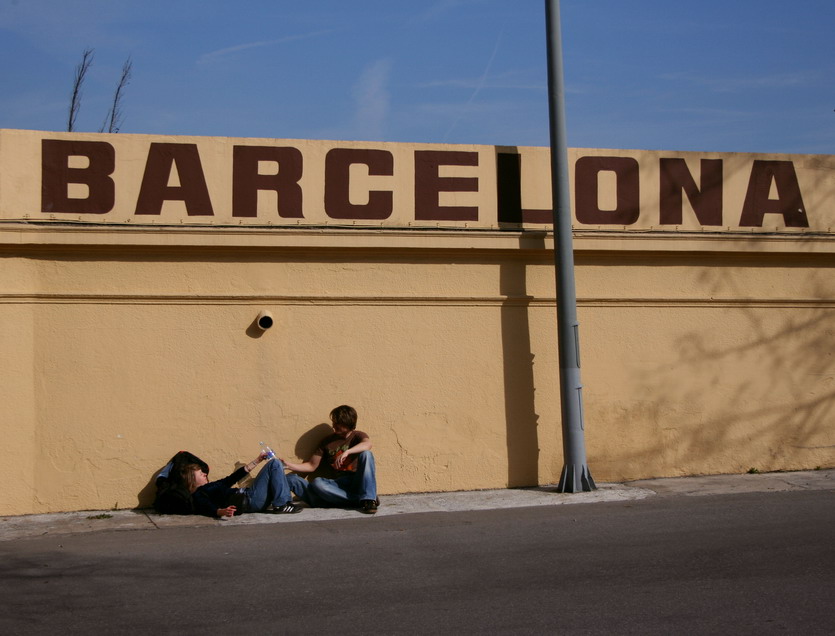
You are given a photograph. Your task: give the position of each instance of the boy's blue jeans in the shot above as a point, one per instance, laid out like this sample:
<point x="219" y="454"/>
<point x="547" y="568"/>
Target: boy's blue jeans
<point x="270" y="487"/>
<point x="346" y="491"/>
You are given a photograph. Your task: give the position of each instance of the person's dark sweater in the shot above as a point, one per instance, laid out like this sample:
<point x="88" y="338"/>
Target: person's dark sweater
<point x="208" y="499"/>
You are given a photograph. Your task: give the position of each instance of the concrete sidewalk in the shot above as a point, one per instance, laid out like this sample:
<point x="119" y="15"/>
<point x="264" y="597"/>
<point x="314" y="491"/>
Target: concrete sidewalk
<point x="26" y="526"/>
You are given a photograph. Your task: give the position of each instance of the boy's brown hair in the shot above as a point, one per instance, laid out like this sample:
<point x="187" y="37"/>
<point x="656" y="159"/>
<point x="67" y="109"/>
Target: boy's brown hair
<point x="345" y="416"/>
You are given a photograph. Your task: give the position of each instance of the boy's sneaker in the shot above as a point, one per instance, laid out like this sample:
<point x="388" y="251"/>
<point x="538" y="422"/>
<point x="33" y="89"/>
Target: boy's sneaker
<point x="369" y="506"/>
<point x="286" y="509"/>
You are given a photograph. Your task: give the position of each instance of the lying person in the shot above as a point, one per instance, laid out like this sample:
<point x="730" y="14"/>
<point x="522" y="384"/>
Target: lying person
<point x="269" y="492"/>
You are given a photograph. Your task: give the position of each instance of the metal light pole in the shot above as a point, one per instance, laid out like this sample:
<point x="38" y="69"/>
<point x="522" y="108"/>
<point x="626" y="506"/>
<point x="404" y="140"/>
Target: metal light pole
<point x="576" y="476"/>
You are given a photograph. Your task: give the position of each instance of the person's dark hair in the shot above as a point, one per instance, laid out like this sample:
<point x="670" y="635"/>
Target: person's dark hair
<point x="344" y="416"/>
<point x="183" y="459"/>
<point x="187" y="476"/>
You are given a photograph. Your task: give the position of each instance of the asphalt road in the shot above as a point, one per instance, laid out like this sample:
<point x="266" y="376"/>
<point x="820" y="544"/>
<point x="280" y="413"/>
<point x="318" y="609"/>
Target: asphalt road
<point x="753" y="563"/>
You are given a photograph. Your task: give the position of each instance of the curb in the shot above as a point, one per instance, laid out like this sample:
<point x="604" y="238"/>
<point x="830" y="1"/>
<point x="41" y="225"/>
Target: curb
<point x="65" y="523"/>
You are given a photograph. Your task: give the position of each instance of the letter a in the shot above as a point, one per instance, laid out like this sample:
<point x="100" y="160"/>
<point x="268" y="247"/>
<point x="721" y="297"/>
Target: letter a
<point x="789" y="203"/>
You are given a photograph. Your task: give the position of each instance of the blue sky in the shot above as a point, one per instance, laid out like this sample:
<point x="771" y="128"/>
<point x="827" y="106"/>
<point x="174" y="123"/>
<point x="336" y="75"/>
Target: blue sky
<point x="746" y="76"/>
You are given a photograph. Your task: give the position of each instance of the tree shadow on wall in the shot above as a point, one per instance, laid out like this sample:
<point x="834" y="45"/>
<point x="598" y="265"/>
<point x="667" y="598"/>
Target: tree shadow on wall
<point x="772" y="418"/>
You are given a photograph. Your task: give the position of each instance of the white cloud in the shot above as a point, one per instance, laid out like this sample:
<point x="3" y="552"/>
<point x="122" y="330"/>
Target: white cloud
<point x="738" y="84"/>
<point x="509" y="80"/>
<point x="442" y="7"/>
<point x="229" y="50"/>
<point x="372" y="100"/>
<point x="479" y="85"/>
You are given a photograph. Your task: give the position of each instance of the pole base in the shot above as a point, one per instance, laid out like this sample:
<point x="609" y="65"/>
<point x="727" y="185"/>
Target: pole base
<point x="576" y="478"/>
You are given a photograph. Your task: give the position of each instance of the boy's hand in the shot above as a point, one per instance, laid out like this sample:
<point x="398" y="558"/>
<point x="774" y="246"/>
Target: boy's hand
<point x="226" y="512"/>
<point x="341" y="460"/>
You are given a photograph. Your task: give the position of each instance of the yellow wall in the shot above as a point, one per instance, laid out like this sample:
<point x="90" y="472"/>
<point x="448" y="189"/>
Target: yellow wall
<point x="702" y="352"/>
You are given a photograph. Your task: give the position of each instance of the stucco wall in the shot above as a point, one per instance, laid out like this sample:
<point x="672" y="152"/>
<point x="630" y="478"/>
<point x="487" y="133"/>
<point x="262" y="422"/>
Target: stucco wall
<point x="692" y="362"/>
<point x="702" y="352"/>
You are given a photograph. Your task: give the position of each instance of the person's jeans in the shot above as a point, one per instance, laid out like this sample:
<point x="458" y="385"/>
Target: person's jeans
<point x="346" y="491"/>
<point x="270" y="487"/>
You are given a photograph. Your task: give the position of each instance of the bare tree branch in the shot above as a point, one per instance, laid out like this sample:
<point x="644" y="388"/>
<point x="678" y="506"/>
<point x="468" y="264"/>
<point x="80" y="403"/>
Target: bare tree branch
<point x="113" y="119"/>
<point x="80" y="74"/>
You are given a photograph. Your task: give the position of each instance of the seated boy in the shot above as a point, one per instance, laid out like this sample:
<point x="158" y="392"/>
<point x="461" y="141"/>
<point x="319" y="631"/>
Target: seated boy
<point x="348" y="452"/>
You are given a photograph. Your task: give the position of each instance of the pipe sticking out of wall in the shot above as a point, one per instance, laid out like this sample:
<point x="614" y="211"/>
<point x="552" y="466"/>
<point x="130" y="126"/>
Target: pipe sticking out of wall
<point x="264" y="320"/>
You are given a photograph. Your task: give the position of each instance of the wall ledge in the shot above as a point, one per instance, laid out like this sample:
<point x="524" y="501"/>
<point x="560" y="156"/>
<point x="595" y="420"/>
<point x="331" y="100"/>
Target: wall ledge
<point x="29" y="234"/>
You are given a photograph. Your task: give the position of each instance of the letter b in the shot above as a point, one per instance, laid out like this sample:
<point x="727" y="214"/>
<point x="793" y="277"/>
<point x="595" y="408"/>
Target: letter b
<point x="56" y="175"/>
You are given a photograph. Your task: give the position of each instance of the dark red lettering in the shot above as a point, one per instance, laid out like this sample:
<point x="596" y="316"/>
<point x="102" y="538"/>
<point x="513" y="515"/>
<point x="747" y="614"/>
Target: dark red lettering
<point x="192" y="190"/>
<point x="337" y="181"/>
<point x="706" y="201"/>
<point x="587" y="205"/>
<point x="509" y="193"/>
<point x="789" y="203"/>
<point x="247" y="181"/>
<point x="56" y="175"/>
<point x="429" y="184"/>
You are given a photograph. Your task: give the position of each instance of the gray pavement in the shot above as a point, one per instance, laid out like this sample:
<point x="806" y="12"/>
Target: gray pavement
<point x="28" y="526"/>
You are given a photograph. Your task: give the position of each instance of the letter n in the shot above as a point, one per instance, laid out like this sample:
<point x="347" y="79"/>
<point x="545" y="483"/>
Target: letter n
<point x="706" y="201"/>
